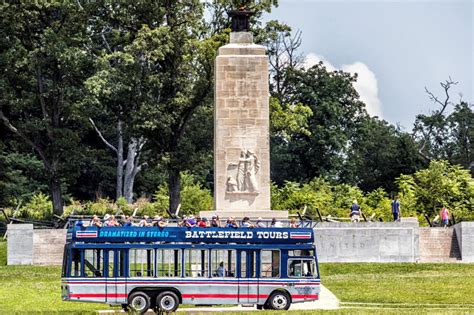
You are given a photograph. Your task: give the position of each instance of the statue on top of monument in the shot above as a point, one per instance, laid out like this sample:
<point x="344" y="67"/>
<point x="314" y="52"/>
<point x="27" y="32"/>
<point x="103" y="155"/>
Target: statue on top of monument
<point x="240" y="17"/>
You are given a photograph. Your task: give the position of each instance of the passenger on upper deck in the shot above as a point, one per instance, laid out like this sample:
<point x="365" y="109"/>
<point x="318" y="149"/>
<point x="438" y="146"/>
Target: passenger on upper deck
<point x="202" y="222"/>
<point x="128" y="222"/>
<point x="293" y="223"/>
<point x="215" y="221"/>
<point x="275" y="223"/>
<point x="260" y="223"/>
<point x="80" y="223"/>
<point x="246" y="223"/>
<point x="190" y="221"/>
<point x="231" y="223"/>
<point x="159" y="222"/>
<point x="95" y="221"/>
<point x="145" y="222"/>
<point x="162" y="223"/>
<point x="110" y="221"/>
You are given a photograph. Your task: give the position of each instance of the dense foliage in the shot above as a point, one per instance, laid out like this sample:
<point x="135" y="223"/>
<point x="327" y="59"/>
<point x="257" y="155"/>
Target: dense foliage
<point x="107" y="106"/>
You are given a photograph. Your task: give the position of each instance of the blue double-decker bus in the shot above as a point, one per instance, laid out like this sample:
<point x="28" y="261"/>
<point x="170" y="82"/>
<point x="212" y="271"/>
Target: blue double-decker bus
<point x="156" y="268"/>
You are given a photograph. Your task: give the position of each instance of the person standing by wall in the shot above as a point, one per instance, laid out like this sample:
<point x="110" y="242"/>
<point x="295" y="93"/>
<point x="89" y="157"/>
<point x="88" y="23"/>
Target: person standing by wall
<point x="444" y="214"/>
<point x="396" y="209"/>
<point x="355" y="212"/>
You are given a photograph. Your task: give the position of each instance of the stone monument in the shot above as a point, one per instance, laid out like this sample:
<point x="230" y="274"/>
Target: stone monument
<point x="241" y="126"/>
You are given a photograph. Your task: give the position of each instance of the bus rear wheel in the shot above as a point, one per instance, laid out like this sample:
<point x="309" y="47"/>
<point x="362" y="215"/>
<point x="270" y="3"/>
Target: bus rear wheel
<point x="279" y="300"/>
<point x="139" y="302"/>
<point x="167" y="301"/>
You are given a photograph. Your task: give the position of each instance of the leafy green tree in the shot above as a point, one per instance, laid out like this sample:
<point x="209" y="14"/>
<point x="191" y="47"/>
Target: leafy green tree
<point x="461" y="130"/>
<point x="21" y="175"/>
<point x="439" y="185"/>
<point x="43" y="62"/>
<point x="378" y="154"/>
<point x="130" y="41"/>
<point x="337" y="113"/>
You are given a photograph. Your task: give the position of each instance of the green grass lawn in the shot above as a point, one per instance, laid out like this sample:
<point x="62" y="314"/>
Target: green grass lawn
<point x="407" y="283"/>
<point x="362" y="288"/>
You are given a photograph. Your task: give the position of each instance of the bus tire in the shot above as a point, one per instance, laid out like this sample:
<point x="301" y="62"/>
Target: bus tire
<point x="139" y="302"/>
<point x="167" y="301"/>
<point x="279" y="300"/>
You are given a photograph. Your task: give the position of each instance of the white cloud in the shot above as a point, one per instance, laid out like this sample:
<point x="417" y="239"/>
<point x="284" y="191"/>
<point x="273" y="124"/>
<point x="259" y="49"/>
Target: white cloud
<point x="311" y="59"/>
<point x="366" y="85"/>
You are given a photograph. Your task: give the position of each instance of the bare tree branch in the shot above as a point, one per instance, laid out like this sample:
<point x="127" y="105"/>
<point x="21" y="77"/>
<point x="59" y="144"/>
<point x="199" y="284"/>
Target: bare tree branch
<point x="430" y="128"/>
<point x="102" y="137"/>
<point x="106" y="42"/>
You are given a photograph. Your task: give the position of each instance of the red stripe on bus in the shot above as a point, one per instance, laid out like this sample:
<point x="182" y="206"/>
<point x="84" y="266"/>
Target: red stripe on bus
<point x="223" y="296"/>
<point x="97" y="295"/>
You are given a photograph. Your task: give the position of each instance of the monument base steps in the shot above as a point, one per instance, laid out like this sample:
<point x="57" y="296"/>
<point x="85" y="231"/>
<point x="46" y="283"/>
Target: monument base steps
<point x="439" y="245"/>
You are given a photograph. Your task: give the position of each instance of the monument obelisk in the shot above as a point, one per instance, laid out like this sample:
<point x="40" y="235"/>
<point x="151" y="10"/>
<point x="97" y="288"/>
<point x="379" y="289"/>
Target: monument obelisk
<point x="241" y="126"/>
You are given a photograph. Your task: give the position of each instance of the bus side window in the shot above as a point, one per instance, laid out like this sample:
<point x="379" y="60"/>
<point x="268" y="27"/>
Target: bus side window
<point x="168" y="263"/>
<point x="196" y="263"/>
<point x="294" y="268"/>
<point x="301" y="268"/>
<point x="270" y="264"/>
<point x="111" y="264"/>
<point x="243" y="264"/>
<point x="93" y="263"/>
<point x="252" y="267"/>
<point x="141" y="262"/>
<point x="76" y="268"/>
<point x="223" y="263"/>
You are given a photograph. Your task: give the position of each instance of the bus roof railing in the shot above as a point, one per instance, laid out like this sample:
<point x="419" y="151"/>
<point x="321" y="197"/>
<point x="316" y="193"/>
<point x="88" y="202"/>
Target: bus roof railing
<point x="303" y="222"/>
<point x="93" y="234"/>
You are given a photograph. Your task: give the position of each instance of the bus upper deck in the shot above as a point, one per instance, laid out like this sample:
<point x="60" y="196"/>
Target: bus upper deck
<point x="160" y="268"/>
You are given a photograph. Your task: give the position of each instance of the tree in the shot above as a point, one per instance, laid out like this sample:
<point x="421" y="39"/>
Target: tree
<point x="337" y="113"/>
<point x="446" y="136"/>
<point x="461" y="132"/>
<point x="43" y="70"/>
<point x="129" y="42"/>
<point x="378" y="154"/>
<point x="439" y="185"/>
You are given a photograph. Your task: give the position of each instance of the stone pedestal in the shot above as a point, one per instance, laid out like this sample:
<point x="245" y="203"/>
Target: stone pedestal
<point x="241" y="128"/>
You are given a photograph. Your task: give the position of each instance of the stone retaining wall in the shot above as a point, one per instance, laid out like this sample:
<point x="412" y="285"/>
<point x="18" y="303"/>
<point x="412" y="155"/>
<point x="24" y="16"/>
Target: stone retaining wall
<point x="465" y="235"/>
<point x="367" y="242"/>
<point x="27" y="246"/>
<point x="336" y="242"/>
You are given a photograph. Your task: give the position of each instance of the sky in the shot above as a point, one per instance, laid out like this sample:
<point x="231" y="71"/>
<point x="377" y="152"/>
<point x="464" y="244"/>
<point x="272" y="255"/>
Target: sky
<point x="397" y="48"/>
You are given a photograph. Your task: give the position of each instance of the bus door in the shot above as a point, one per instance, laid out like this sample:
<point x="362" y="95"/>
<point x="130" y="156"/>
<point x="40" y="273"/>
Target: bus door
<point x="248" y="281"/>
<point x="116" y="287"/>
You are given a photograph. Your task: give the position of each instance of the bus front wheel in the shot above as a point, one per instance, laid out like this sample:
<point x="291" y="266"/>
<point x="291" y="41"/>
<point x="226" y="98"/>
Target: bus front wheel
<point x="279" y="300"/>
<point x="167" y="301"/>
<point x="139" y="302"/>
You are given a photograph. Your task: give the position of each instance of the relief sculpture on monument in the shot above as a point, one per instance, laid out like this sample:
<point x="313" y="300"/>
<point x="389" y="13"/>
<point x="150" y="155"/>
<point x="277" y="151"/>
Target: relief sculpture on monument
<point x="242" y="176"/>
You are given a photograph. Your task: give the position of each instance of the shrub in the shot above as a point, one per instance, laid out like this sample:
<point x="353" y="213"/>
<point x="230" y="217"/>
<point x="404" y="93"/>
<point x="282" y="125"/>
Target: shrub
<point x="39" y="208"/>
<point x="441" y="184"/>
